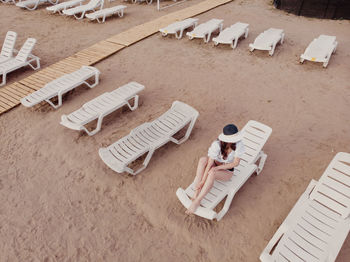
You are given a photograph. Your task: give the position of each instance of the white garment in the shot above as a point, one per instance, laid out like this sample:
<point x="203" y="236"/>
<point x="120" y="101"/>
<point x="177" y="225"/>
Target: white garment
<point x="214" y="152"/>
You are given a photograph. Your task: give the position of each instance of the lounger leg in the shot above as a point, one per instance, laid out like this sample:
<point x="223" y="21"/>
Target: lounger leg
<point x="187" y="135"/>
<point x="262" y="156"/>
<point x="301" y="60"/>
<point x="144" y="164"/>
<point x="206" y="39"/>
<point x="246" y="33"/>
<point x="181" y="33"/>
<point x="121" y="13"/>
<point x="59" y="103"/>
<point x="104" y="18"/>
<point x="226" y="207"/>
<point x="37" y="61"/>
<point x="3" y="82"/>
<point x="98" y="126"/>
<point x="80" y="17"/>
<point x="136" y="103"/>
<point x="282" y="39"/>
<point x="35" y="6"/>
<point x="272" y="50"/>
<point x="94" y="84"/>
<point x="234" y="43"/>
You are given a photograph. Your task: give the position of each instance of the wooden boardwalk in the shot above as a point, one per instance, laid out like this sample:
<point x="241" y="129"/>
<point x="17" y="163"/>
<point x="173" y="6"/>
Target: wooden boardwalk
<point x="10" y="95"/>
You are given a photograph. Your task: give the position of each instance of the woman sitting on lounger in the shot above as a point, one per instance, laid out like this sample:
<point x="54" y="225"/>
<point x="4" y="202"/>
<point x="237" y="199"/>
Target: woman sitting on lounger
<point x="223" y="156"/>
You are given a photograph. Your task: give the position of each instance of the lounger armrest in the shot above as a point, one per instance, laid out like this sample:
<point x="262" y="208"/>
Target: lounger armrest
<point x="266" y="255"/>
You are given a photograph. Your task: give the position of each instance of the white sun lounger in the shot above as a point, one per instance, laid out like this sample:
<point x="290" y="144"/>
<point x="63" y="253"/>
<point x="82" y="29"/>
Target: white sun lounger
<point x="320" y="50"/>
<point x="59" y="8"/>
<point x="101" y="15"/>
<point x="22" y="59"/>
<point x="268" y="40"/>
<point x="179" y="27"/>
<point x="91" y="6"/>
<point x="231" y="34"/>
<point x="33" y="4"/>
<point x="102" y="106"/>
<point x="146" y="138"/>
<point x="255" y="135"/>
<point x="8" y="47"/>
<point x="62" y="85"/>
<point x="319" y="223"/>
<point x="206" y="29"/>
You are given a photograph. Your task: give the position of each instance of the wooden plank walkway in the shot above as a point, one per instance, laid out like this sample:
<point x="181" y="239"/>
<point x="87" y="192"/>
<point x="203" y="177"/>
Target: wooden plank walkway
<point x="10" y="95"/>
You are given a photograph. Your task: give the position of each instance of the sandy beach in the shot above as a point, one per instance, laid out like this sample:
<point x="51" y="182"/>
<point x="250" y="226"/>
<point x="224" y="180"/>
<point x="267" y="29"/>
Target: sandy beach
<point x="60" y="202"/>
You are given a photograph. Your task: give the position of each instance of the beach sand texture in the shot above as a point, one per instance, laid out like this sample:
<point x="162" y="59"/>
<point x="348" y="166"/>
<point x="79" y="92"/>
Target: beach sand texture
<point x="60" y="202"/>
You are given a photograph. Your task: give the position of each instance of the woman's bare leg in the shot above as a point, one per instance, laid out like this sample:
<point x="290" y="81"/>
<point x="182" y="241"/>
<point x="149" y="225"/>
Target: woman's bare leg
<point x="202" y="164"/>
<point x="222" y="175"/>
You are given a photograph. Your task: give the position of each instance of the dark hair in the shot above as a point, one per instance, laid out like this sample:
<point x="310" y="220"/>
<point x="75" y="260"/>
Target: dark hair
<point x="223" y="146"/>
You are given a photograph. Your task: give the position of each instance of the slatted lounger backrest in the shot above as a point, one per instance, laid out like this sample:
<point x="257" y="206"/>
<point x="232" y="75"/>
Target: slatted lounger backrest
<point x="26" y="50"/>
<point x="9" y="44"/>
<point x="95" y="3"/>
<point x="255" y="135"/>
<point x="333" y="189"/>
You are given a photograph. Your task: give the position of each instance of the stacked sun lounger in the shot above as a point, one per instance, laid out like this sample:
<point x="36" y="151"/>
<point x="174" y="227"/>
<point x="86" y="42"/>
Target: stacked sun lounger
<point x="102" y="106"/>
<point x="60" y="86"/>
<point x="179" y="27"/>
<point x="33" y="4"/>
<point x="231" y="34"/>
<point x="101" y="15"/>
<point x="320" y="50"/>
<point x="79" y="11"/>
<point x="146" y="138"/>
<point x="206" y="29"/>
<point x="268" y="40"/>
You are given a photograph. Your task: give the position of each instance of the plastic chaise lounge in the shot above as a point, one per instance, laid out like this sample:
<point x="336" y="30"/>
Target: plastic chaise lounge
<point x="206" y="29"/>
<point x="317" y="226"/>
<point x="231" y="34"/>
<point x="179" y="27"/>
<point x="102" y="106"/>
<point x="148" y="137"/>
<point x="268" y="40"/>
<point x="101" y="15"/>
<point x="33" y="4"/>
<point x="82" y="9"/>
<point x="62" y="85"/>
<point x="59" y="8"/>
<point x="255" y="135"/>
<point x="320" y="50"/>
<point x="22" y="59"/>
<point x="8" y="47"/>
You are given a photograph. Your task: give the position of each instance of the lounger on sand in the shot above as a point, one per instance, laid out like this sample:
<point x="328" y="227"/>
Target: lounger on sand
<point x="320" y="50"/>
<point x="319" y="223"/>
<point x="22" y="59"/>
<point x="59" y="8"/>
<point x="101" y="15"/>
<point x="255" y="136"/>
<point x="231" y="34"/>
<point x="91" y="6"/>
<point x="62" y="85"/>
<point x="33" y="4"/>
<point x="149" y="136"/>
<point x="268" y="40"/>
<point x="179" y="27"/>
<point x="102" y="106"/>
<point x="206" y="29"/>
<point x="8" y="47"/>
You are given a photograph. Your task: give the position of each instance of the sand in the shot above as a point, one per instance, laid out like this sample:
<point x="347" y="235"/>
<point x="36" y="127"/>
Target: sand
<point x="60" y="202"/>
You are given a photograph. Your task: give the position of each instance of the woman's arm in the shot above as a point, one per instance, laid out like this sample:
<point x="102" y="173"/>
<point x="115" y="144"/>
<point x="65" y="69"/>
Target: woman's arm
<point x="229" y="165"/>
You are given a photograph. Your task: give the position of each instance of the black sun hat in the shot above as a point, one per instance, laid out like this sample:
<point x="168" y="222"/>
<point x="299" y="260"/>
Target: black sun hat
<point x="230" y="134"/>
